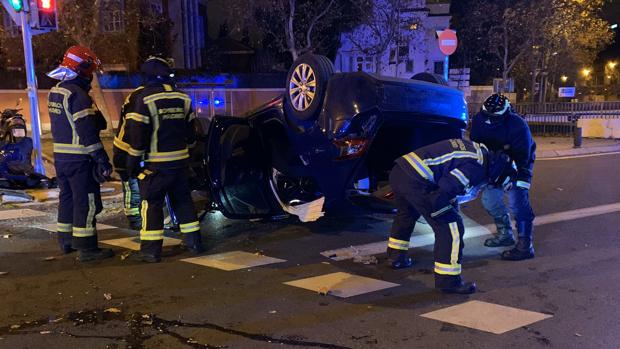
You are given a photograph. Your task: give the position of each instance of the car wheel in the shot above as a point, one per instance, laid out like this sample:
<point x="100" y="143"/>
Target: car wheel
<point x="428" y="77"/>
<point x="306" y="86"/>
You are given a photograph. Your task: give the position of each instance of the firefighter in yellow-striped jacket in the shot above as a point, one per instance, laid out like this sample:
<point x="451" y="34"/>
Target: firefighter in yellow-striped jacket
<point x="431" y="182"/>
<point x="159" y="131"/>
<point x="79" y="158"/>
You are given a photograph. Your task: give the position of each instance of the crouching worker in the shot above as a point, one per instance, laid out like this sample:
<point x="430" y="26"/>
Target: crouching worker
<point x="431" y="182"/>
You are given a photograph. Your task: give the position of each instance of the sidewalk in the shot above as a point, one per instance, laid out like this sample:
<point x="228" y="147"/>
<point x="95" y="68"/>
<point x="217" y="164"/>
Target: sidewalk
<point x="554" y="147"/>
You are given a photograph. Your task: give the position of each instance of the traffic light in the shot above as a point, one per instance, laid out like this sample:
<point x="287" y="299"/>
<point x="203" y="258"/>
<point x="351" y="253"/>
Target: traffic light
<point x="18" y="5"/>
<point x="44" y="16"/>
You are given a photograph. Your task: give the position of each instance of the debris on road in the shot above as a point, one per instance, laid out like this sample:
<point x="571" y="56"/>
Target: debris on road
<point x="367" y="260"/>
<point x="107" y="296"/>
<point x="3" y="273"/>
<point x="47" y="259"/>
<point x="273" y="311"/>
<point x="578" y="335"/>
<point x="7" y="236"/>
<point x="45" y="332"/>
<point x="14" y="327"/>
<point x="112" y="310"/>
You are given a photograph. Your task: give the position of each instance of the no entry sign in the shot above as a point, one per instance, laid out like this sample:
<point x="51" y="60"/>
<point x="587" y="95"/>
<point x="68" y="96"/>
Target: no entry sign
<point x="447" y="41"/>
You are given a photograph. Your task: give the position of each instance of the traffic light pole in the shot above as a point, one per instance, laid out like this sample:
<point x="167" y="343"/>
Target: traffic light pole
<point x="33" y="95"/>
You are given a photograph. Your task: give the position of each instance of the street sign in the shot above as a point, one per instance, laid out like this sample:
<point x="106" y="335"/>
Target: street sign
<point x="447" y="41"/>
<point x="566" y="92"/>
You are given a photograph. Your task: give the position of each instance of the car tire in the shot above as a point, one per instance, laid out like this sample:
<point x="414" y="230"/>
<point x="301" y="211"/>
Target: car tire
<point x="306" y="87"/>
<point x="428" y="77"/>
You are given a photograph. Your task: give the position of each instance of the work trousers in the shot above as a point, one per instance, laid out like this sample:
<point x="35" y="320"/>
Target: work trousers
<point x="131" y="197"/>
<point x="518" y="200"/>
<point x="80" y="202"/>
<point x="154" y="185"/>
<point x="414" y="198"/>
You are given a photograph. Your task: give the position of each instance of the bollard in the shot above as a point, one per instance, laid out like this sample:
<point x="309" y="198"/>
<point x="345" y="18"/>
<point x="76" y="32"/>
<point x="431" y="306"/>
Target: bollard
<point x="577" y="137"/>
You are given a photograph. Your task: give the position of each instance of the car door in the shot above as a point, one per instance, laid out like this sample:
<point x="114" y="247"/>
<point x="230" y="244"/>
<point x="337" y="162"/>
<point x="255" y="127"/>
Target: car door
<point x="239" y="170"/>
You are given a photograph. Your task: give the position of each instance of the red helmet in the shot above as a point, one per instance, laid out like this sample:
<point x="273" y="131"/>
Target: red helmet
<point x="78" y="60"/>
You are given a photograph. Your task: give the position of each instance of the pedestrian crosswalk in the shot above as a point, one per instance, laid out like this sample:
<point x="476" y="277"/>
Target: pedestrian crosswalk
<point x="482" y="316"/>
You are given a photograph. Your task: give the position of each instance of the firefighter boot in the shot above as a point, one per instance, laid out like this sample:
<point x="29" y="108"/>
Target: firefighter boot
<point x="524" y="248"/>
<point x="64" y="242"/>
<point x="150" y="251"/>
<point x="399" y="259"/>
<point x="504" y="236"/>
<point x="453" y="284"/>
<point x="88" y="249"/>
<point x="193" y="242"/>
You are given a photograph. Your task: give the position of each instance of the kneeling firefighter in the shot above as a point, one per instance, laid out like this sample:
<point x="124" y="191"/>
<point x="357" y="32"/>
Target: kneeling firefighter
<point x="159" y="130"/>
<point x="80" y="160"/>
<point x="431" y="182"/>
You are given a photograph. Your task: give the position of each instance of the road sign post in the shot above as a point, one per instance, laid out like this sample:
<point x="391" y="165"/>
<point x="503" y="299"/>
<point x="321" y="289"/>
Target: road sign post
<point x="448" y="43"/>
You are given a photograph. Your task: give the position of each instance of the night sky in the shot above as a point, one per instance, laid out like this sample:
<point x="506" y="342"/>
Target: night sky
<point x="612" y="14"/>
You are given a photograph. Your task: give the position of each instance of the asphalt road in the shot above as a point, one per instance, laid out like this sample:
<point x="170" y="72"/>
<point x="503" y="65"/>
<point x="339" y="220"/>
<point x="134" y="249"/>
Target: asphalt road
<point x="59" y="303"/>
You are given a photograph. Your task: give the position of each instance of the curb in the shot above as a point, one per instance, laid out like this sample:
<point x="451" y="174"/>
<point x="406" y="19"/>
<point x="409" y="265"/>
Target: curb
<point x="577" y="152"/>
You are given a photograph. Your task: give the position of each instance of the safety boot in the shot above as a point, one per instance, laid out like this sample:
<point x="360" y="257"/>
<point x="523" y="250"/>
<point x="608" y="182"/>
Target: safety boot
<point x="524" y="248"/>
<point x="504" y="236"/>
<point x="193" y="242"/>
<point x="150" y="252"/>
<point x="95" y="254"/>
<point x="399" y="259"/>
<point x="453" y="284"/>
<point x="64" y="242"/>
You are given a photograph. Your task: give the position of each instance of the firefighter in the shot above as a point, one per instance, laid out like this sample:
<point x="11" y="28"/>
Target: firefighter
<point x="131" y="191"/>
<point x="500" y="128"/>
<point x="159" y="130"/>
<point x="431" y="182"/>
<point x="79" y="158"/>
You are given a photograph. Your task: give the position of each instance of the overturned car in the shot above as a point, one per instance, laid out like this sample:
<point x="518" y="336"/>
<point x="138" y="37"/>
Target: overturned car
<point x="331" y="139"/>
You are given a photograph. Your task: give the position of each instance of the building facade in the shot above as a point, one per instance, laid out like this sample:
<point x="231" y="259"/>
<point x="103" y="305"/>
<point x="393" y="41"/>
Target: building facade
<point x="398" y="40"/>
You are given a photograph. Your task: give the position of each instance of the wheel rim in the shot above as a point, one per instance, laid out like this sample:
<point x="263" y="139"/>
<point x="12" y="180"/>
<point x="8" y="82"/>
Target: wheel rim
<point x="302" y="87"/>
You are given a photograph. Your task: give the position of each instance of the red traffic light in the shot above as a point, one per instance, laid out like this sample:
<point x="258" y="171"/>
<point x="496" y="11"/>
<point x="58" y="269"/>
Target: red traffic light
<point x="46" y="5"/>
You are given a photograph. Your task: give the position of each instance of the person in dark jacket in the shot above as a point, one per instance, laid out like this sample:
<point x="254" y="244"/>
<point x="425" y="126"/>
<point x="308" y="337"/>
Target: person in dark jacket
<point x="159" y="131"/>
<point x="79" y="158"/>
<point x="500" y="128"/>
<point x="431" y="182"/>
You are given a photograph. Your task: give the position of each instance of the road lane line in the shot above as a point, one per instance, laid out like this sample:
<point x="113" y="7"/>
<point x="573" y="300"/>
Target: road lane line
<point x="568" y="157"/>
<point x="423" y="235"/>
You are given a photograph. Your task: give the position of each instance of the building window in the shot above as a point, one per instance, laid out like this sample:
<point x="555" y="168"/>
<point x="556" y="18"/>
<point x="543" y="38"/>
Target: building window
<point x="410" y="66"/>
<point x="360" y="64"/>
<point x="439" y="67"/>
<point x="11" y="29"/>
<point x="112" y="16"/>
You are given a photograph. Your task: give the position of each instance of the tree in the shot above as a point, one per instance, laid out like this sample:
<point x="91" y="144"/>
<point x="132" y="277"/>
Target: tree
<point x="298" y="26"/>
<point x="389" y="24"/>
<point x="81" y="22"/>
<point x="378" y="31"/>
<point x="532" y="40"/>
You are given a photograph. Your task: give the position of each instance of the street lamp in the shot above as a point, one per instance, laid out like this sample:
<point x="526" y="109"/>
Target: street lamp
<point x="564" y="78"/>
<point x="612" y="64"/>
<point x="586" y="72"/>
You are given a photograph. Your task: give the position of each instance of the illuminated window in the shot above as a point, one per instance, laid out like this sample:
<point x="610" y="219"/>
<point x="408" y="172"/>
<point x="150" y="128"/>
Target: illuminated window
<point x="112" y="16"/>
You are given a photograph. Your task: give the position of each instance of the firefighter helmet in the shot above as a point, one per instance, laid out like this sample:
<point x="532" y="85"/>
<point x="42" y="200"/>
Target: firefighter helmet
<point x="77" y="61"/>
<point x="158" y="68"/>
<point x="496" y="104"/>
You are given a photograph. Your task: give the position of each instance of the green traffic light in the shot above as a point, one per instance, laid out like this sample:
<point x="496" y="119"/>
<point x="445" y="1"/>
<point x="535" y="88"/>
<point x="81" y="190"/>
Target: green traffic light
<point x="18" y="5"/>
